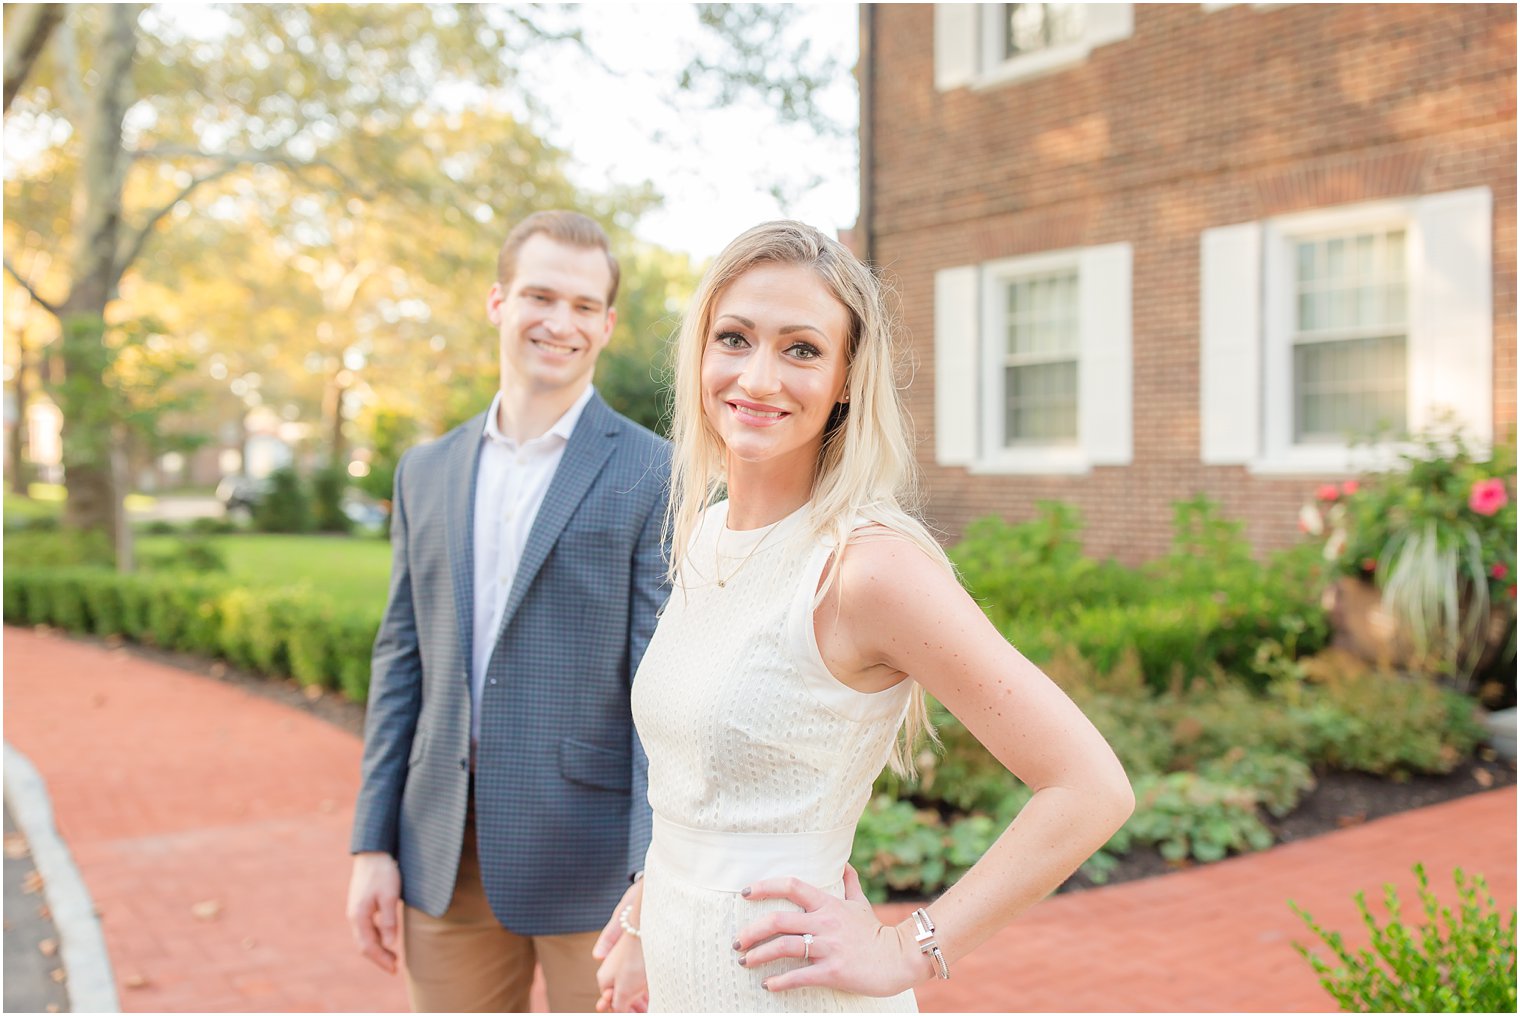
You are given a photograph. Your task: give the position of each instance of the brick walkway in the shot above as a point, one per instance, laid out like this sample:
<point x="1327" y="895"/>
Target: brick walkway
<point x="211" y="826"/>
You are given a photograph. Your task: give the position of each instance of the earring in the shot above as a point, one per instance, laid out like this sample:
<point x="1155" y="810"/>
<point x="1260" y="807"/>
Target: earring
<point x="846" y="397"/>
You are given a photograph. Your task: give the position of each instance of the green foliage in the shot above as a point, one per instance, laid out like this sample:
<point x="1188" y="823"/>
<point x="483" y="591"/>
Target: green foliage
<point x="390" y="432"/>
<point x="30" y="513"/>
<point x="1392" y="726"/>
<point x="327" y="488"/>
<point x="273" y="632"/>
<point x="1190" y="816"/>
<point x="34" y="548"/>
<point x="1208" y="762"/>
<point x="187" y="554"/>
<point x="286" y="507"/>
<point x="1459" y="960"/>
<point x="1208" y="605"/>
<point x="898" y="846"/>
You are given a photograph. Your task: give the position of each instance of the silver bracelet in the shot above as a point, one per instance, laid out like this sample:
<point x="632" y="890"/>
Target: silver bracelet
<point x="630" y="929"/>
<point x="924" y="936"/>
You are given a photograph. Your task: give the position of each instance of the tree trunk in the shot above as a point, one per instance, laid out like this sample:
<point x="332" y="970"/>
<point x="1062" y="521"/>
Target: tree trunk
<point x="28" y="32"/>
<point x="94" y="500"/>
<point x="21" y="384"/>
<point x="332" y="414"/>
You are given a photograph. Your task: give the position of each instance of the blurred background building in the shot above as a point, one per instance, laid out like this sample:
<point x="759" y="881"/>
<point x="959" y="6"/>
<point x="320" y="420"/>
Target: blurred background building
<point x="1147" y="251"/>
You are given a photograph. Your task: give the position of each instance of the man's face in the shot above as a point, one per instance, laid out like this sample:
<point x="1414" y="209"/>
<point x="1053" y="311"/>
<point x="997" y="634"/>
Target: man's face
<point x="552" y="317"/>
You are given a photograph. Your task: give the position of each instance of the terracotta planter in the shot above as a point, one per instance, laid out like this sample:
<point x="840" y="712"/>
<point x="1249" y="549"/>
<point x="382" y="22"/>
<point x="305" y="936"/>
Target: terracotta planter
<point x="1364" y="627"/>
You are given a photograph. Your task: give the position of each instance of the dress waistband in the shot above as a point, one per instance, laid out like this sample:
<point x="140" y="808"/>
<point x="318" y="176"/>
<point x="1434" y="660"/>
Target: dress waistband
<point x="728" y="861"/>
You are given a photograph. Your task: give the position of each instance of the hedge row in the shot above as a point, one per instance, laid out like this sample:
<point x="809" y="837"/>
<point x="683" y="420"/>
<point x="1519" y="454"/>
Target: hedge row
<point x="271" y="632"/>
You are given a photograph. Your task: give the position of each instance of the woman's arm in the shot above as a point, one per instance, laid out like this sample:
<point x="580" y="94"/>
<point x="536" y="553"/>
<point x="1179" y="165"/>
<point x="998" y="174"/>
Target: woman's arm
<point x="894" y="610"/>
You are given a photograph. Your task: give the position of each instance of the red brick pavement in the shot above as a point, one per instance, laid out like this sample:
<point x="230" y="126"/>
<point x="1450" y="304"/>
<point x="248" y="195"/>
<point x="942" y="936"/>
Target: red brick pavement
<point x="173" y="790"/>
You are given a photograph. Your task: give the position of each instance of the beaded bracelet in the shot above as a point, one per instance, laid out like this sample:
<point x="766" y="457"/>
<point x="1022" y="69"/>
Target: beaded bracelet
<point x="623" y="921"/>
<point x="924" y="936"/>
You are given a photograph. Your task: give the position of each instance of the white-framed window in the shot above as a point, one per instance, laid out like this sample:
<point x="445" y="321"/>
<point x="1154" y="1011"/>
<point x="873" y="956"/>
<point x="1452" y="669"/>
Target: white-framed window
<point x="1323" y="329"/>
<point x="1032" y="362"/>
<point x="982" y="45"/>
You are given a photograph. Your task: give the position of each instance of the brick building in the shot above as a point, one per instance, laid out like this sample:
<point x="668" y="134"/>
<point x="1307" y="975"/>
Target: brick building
<point x="1145" y="252"/>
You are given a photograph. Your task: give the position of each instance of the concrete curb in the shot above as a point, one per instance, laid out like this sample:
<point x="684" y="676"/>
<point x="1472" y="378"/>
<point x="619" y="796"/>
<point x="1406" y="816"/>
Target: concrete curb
<point x="91" y="984"/>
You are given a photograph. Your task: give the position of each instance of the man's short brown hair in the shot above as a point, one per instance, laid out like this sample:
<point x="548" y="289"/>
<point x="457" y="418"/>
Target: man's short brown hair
<point x="570" y="228"/>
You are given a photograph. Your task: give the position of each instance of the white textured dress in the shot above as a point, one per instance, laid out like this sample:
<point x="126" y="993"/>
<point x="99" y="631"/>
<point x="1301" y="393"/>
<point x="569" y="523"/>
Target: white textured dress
<point x="760" y="763"/>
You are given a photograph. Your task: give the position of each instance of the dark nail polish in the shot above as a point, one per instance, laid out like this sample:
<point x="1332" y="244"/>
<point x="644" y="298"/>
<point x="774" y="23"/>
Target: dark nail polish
<point x="766" y="984"/>
<point x="744" y="891"/>
<point x="736" y="945"/>
<point x="741" y="961"/>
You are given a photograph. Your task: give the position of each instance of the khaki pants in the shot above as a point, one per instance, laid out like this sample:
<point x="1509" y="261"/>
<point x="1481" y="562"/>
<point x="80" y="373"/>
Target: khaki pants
<point x="465" y="961"/>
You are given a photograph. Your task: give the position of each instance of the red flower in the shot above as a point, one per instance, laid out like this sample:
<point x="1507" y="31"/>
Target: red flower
<point x="1350" y="487"/>
<point x="1499" y="571"/>
<point x="1369" y="565"/>
<point x="1487" y="497"/>
<point x="1511" y="592"/>
<point x="1328" y="492"/>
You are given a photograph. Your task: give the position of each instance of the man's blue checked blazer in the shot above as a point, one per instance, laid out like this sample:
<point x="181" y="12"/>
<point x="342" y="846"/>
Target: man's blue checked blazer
<point x="562" y="814"/>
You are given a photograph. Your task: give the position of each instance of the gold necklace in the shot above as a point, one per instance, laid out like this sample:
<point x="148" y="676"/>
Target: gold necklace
<point x="718" y="552"/>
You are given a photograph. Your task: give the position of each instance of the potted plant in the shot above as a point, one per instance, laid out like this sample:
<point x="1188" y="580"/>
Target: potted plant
<point x="1424" y="556"/>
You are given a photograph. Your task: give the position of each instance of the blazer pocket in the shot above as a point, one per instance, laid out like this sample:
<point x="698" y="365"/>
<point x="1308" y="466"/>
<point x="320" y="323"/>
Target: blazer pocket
<point x="419" y="748"/>
<point x="595" y="767"/>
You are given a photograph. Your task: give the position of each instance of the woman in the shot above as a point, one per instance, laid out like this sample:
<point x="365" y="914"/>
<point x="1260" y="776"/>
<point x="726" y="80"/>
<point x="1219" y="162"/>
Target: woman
<point x="810" y="613"/>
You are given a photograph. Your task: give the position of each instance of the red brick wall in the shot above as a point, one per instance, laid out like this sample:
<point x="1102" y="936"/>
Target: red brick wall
<point x="1199" y="119"/>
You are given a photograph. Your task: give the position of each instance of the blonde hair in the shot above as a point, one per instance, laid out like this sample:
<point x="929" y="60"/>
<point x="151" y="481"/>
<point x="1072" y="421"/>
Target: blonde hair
<point x="865" y="468"/>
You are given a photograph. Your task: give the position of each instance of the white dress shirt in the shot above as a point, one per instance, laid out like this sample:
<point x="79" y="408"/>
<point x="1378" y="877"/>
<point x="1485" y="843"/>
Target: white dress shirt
<point x="510" y="483"/>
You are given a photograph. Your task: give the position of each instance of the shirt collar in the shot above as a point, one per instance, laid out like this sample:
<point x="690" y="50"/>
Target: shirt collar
<point x="562" y="428"/>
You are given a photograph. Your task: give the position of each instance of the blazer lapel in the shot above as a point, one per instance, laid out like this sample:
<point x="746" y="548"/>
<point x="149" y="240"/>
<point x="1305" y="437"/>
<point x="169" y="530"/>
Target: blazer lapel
<point x="461" y="471"/>
<point x="589" y="447"/>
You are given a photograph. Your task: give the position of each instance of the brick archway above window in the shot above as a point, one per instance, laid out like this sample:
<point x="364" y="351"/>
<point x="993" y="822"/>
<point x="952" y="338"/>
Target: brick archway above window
<point x="1341" y="180"/>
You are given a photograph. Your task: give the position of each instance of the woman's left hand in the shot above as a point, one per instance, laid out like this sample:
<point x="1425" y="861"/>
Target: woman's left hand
<point x="849" y="948"/>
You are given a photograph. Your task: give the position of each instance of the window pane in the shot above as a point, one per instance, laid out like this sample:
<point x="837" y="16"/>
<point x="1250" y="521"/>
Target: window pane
<point x="1031" y="27"/>
<point x="1349" y="388"/>
<point x="1041" y="404"/>
<point x="1306" y="269"/>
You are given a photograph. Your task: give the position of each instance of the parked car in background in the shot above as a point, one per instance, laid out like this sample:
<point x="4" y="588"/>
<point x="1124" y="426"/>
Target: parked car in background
<point x="239" y="493"/>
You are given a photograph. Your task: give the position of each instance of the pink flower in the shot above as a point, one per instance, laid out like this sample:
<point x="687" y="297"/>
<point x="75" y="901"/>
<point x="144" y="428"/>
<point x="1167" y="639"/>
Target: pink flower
<point x="1499" y="571"/>
<point x="1328" y="492"/>
<point x="1350" y="487"/>
<point x="1487" y="497"/>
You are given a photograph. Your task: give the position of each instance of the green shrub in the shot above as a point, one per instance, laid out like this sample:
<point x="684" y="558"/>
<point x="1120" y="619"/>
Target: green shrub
<point x="30" y="513"/>
<point x="193" y="553"/>
<point x="327" y="489"/>
<point x="1453" y="961"/>
<point x="61" y="548"/>
<point x="1391" y="725"/>
<point x="1207" y="606"/>
<point x="1186" y="815"/>
<point x="286" y="507"/>
<point x="276" y="633"/>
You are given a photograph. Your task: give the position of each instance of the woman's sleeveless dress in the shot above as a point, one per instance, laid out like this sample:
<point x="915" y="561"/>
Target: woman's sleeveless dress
<point x="760" y="763"/>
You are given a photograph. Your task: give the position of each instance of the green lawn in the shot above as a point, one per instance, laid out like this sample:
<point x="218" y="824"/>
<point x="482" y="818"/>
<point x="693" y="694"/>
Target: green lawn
<point x="352" y="570"/>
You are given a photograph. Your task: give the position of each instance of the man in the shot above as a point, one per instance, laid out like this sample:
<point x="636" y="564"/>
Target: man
<point x="503" y="789"/>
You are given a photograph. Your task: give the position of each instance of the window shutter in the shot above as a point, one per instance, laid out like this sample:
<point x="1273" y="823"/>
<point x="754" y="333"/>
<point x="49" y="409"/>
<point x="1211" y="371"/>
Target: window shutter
<point x="1451" y="310"/>
<point x="955" y="38"/>
<point x="955" y="345"/>
<point x="1105" y="376"/>
<point x="1229" y="371"/>
<point x="1108" y="23"/>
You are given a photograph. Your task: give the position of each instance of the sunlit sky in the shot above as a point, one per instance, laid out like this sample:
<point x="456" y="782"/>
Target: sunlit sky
<point x="621" y="119"/>
<point x="714" y="167"/>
